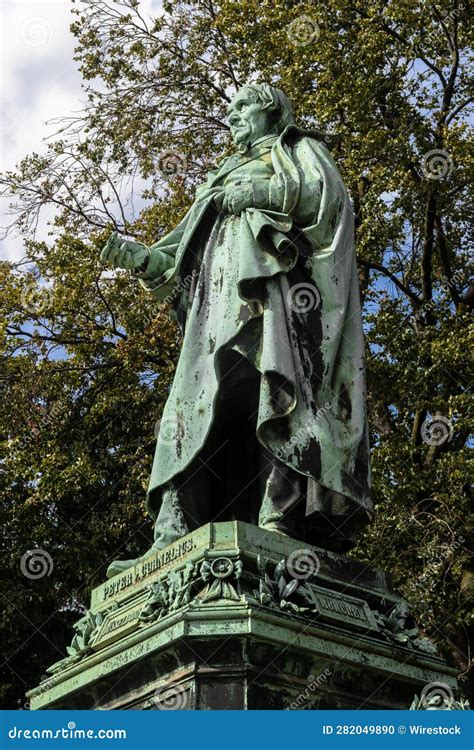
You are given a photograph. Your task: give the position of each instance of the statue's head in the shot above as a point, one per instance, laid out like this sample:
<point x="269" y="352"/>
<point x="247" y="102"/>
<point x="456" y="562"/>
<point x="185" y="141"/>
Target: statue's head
<point x="258" y="110"/>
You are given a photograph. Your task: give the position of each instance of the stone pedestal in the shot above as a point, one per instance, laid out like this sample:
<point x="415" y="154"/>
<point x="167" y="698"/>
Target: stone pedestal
<point x="234" y="617"/>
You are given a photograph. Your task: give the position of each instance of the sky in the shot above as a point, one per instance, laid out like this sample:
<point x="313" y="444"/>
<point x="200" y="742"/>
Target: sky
<point x="39" y="80"/>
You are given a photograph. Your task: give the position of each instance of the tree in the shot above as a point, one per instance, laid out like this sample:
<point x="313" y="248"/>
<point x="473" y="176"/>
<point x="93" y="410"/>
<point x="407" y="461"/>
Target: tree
<point x="88" y="358"/>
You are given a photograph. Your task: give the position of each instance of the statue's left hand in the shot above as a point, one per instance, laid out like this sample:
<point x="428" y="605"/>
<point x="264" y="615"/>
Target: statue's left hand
<point x="238" y="197"/>
<point x="124" y="253"/>
<point x="246" y="194"/>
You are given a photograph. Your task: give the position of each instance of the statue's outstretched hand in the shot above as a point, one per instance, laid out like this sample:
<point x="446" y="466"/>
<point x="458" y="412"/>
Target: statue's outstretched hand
<point x="124" y="253"/>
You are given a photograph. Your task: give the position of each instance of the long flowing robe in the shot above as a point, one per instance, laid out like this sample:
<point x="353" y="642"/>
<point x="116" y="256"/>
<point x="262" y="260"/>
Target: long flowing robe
<point x="278" y="284"/>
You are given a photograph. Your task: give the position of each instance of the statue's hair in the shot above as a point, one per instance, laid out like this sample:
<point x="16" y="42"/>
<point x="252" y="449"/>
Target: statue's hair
<point x="276" y="102"/>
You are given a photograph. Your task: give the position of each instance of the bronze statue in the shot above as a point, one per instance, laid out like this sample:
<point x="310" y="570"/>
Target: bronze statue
<point x="266" y="418"/>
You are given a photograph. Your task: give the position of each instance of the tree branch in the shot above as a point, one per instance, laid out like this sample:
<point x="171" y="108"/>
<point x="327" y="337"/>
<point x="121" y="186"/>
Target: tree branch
<point x="378" y="267"/>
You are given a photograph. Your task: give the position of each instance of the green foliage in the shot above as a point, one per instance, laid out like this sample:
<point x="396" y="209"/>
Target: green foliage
<point x="88" y="360"/>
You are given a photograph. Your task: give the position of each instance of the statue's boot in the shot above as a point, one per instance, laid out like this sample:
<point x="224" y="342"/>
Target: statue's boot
<point x="274" y="528"/>
<point x="170" y="525"/>
<point x="120" y="566"/>
<point x="283" y="505"/>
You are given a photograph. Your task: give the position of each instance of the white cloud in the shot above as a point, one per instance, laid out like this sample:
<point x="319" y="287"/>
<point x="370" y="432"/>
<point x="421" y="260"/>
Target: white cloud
<point x="39" y="78"/>
<point x="39" y="81"/>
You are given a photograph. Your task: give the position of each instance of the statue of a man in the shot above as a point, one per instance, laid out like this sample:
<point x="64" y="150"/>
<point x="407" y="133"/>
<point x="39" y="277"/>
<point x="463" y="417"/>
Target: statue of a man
<point x="266" y="418"/>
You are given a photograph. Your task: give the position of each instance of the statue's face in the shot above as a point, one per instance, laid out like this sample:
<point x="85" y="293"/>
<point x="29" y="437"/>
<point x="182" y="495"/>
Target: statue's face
<point x="248" y="121"/>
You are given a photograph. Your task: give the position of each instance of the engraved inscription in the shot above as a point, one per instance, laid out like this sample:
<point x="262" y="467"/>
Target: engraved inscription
<point x="342" y="607"/>
<point x="339" y="607"/>
<point x="118" y="584"/>
<point x="119" y="660"/>
<point x="146" y="568"/>
<point x="120" y="622"/>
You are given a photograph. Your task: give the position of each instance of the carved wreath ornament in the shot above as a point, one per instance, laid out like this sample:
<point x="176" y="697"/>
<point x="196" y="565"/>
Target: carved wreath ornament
<point x="220" y="575"/>
<point x="168" y="595"/>
<point x="85" y="630"/>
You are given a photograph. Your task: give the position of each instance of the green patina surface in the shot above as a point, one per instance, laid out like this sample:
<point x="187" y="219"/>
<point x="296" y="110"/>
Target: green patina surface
<point x="261" y="273"/>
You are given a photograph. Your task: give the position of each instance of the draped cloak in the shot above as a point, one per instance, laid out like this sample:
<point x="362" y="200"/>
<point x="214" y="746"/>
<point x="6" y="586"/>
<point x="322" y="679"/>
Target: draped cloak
<point x="279" y="285"/>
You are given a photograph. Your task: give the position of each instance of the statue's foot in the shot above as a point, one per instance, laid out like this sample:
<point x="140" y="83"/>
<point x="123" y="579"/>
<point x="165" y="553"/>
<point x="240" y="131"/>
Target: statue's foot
<point x="272" y="527"/>
<point x="119" y="566"/>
